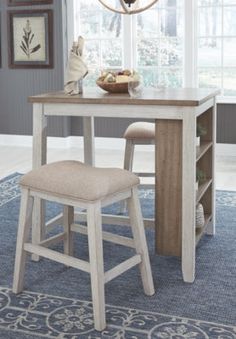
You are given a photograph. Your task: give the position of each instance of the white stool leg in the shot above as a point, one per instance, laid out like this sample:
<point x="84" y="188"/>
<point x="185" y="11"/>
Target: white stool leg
<point x="25" y="220"/>
<point x="129" y="155"/>
<point x="38" y="227"/>
<point x="94" y="221"/>
<point x="68" y="218"/>
<point x="136" y="221"/>
<point x="128" y="165"/>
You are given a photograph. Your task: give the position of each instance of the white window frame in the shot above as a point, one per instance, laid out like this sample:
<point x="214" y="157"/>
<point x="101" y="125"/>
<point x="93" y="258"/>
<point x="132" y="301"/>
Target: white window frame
<point x="190" y="43"/>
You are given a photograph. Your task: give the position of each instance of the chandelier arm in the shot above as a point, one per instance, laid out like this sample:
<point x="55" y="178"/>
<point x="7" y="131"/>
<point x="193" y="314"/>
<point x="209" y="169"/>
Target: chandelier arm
<point x="125" y="9"/>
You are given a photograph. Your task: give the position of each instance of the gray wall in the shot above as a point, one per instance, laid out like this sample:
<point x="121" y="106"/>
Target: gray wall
<point x="17" y="84"/>
<point x="226" y="123"/>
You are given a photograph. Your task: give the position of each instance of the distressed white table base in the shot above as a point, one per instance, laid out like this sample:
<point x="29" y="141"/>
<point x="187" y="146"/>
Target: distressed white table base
<point x="174" y="110"/>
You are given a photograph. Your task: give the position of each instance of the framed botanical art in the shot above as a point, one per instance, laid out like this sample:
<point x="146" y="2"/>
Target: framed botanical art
<point x="28" y="2"/>
<point x="30" y="39"/>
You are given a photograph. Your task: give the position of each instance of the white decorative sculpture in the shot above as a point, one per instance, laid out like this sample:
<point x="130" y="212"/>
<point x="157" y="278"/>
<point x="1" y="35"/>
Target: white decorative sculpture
<point x="76" y="69"/>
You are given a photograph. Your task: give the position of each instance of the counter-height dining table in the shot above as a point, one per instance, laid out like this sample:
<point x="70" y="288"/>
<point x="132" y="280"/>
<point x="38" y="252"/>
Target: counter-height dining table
<point x="176" y="113"/>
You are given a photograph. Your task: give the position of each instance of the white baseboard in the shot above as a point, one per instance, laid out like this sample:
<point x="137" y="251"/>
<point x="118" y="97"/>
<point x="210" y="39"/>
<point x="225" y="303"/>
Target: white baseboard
<point x="101" y="143"/>
<point x="226" y="149"/>
<point x="15" y="140"/>
<point x="57" y="142"/>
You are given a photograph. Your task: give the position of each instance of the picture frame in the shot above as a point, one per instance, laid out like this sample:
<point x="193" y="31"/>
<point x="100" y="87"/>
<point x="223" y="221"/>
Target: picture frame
<point x="29" y="2"/>
<point x="30" y="38"/>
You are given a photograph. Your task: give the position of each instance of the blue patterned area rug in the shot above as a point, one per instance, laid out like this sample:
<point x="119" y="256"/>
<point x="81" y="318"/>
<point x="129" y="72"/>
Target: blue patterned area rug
<point x="57" y="301"/>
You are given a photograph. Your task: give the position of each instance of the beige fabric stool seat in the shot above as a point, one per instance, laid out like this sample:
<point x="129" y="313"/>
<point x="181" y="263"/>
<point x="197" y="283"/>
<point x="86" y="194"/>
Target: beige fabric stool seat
<point x="75" y="184"/>
<point x="140" y="130"/>
<point x="138" y="133"/>
<point x="76" y="180"/>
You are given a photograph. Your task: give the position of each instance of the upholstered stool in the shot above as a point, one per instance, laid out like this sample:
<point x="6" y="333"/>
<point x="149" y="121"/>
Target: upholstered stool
<point x="138" y="133"/>
<point x="75" y="184"/>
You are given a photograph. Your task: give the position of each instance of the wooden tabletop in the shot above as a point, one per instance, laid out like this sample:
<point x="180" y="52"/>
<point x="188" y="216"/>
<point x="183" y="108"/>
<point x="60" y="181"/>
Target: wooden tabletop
<point x="167" y="97"/>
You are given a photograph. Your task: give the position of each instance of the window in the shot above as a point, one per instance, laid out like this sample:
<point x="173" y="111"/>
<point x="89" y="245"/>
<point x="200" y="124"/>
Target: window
<point x="156" y="43"/>
<point x="159" y="43"/>
<point x="216" y="43"/>
<point x="151" y="42"/>
<point x="103" y="31"/>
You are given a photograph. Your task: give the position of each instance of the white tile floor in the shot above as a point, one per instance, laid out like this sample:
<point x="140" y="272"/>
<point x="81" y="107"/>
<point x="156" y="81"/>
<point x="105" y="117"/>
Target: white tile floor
<point x="18" y="159"/>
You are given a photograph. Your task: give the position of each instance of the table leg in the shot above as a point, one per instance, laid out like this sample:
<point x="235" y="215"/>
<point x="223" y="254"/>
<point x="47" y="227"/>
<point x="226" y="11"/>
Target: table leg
<point x="168" y="186"/>
<point x="89" y="148"/>
<point x="175" y="191"/>
<point x="39" y="158"/>
<point x="211" y="226"/>
<point x="188" y="197"/>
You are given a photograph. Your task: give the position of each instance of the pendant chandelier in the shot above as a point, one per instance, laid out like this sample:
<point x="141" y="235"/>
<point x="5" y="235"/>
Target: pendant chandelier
<point x="128" y="6"/>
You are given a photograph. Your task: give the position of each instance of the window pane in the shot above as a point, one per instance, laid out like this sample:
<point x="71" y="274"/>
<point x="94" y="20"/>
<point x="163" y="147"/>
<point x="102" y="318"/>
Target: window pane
<point x="171" y="77"/>
<point x="161" y="77"/>
<point x="147" y="52"/>
<point x="210" y="77"/>
<point x="230" y="82"/>
<point x="230" y="21"/>
<point x="111" y="53"/>
<point x="89" y="5"/>
<point x="91" y="77"/>
<point x="229" y="2"/>
<point x="230" y="52"/>
<point x="143" y="3"/>
<point x="210" y="21"/>
<point x="148" y="75"/>
<point x="170" y="3"/>
<point x="171" y="52"/>
<point x="171" y="22"/>
<point x="147" y="24"/>
<point x="209" y="2"/>
<point x="111" y="25"/>
<point x="209" y="52"/>
<point x="91" y="53"/>
<point x="90" y="24"/>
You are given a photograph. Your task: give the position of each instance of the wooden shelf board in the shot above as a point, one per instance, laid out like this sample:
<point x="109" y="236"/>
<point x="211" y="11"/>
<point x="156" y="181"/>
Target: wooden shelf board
<point x="201" y="231"/>
<point x="202" y="189"/>
<point x="203" y="148"/>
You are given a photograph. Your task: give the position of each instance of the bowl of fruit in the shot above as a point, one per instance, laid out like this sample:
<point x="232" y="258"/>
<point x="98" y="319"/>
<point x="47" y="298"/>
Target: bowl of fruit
<point x="116" y="82"/>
